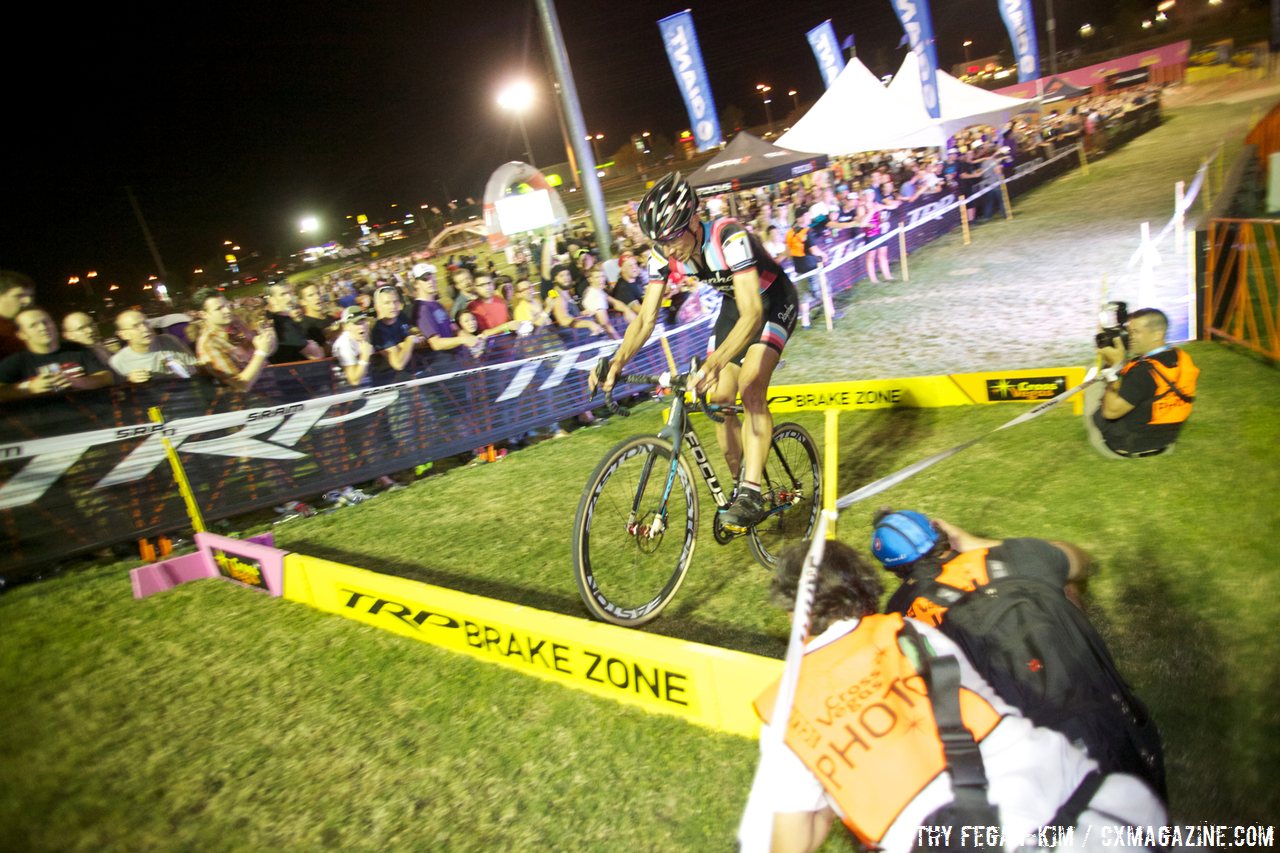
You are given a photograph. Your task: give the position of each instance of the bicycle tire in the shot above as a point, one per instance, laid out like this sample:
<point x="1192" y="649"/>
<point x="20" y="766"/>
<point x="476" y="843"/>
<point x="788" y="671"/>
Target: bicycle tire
<point x="625" y="575"/>
<point x="792" y="475"/>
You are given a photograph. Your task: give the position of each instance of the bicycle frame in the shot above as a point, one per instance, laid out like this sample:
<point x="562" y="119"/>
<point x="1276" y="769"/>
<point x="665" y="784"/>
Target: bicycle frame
<point x="678" y="430"/>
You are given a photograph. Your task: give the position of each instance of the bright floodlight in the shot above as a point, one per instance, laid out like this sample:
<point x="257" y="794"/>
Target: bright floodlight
<point x="517" y="96"/>
<point x="309" y="224"/>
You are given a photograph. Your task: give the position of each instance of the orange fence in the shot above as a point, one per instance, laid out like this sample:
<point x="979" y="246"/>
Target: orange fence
<point x="1242" y="284"/>
<point x="1266" y="135"/>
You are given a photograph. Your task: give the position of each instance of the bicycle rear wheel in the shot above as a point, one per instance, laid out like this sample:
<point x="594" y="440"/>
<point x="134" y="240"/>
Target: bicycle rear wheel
<point x="792" y="492"/>
<point x="629" y="555"/>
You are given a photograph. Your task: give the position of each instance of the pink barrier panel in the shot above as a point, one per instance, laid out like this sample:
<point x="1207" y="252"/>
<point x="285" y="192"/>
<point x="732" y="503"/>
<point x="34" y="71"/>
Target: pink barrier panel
<point x="253" y="563"/>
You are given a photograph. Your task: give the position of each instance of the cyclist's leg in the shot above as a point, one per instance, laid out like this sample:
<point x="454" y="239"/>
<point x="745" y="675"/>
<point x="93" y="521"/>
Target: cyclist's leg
<point x="758" y="364"/>
<point x="757" y="428"/>
<point x="729" y="433"/>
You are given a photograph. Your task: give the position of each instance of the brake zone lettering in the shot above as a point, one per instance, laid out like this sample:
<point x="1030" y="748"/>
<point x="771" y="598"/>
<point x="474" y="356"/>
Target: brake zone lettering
<point x="602" y="670"/>
<point x="843" y="398"/>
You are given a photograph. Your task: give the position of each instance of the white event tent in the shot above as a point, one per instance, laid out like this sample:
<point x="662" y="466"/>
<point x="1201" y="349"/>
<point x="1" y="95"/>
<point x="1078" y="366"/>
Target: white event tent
<point x="960" y="104"/>
<point x="858" y="114"/>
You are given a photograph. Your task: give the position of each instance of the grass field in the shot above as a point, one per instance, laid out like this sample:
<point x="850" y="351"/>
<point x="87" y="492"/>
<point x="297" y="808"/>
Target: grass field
<point x="214" y="718"/>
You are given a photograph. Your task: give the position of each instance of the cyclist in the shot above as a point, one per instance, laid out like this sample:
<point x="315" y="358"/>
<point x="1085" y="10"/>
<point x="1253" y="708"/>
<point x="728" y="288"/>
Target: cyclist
<point x="756" y="319"/>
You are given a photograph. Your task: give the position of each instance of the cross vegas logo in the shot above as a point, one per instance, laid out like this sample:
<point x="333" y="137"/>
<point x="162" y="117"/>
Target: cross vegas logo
<point x="1025" y="388"/>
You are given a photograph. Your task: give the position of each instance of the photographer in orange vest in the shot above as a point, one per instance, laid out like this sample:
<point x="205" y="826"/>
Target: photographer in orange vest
<point x="863" y="744"/>
<point x="1140" y="412"/>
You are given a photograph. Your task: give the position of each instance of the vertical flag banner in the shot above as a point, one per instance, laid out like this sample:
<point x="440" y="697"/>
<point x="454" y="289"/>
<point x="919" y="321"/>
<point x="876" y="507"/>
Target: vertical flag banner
<point x="826" y="49"/>
<point x="681" y="42"/>
<point x="917" y="24"/>
<point x="1019" y="20"/>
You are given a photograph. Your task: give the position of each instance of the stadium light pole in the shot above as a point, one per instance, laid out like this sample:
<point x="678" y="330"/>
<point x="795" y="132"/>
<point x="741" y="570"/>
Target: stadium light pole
<point x="768" y="113"/>
<point x="577" y="125"/>
<point x="516" y="98"/>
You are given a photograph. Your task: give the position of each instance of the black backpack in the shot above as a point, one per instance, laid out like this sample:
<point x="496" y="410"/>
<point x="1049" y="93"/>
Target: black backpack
<point x="1042" y="655"/>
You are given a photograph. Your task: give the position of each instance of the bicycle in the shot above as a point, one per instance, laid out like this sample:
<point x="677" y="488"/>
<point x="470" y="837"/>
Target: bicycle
<point x="625" y="517"/>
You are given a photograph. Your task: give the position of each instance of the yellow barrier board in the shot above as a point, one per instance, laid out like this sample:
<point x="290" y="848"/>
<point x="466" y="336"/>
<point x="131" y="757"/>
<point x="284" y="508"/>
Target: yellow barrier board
<point x="958" y="389"/>
<point x="705" y="685"/>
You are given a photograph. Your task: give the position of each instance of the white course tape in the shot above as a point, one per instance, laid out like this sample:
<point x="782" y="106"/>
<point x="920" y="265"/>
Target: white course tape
<point x="800" y="613"/>
<point x="885" y="483"/>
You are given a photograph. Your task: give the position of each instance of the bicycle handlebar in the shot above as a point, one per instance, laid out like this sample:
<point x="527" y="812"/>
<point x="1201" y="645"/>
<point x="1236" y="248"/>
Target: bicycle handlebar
<point x="678" y="383"/>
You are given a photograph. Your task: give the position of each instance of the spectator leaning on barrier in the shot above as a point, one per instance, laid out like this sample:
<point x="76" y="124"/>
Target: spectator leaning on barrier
<point x="557" y="289"/>
<point x="293" y="341"/>
<point x="393" y="338"/>
<point x="463" y="290"/>
<point x="352" y="348"/>
<point x="431" y="318"/>
<point x="79" y="328"/>
<point x="1141" y="411"/>
<point x="864" y="742"/>
<point x="489" y="309"/>
<point x="1014" y="606"/>
<point x="317" y="318"/>
<point x="16" y="292"/>
<point x="231" y="353"/>
<point x="47" y="365"/>
<point x="596" y="303"/>
<point x="527" y="309"/>
<point x="148" y="356"/>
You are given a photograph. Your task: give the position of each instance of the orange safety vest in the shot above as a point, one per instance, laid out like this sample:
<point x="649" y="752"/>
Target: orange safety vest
<point x="1174" y="393"/>
<point x="795" y="241"/>
<point x="863" y="725"/>
<point x="965" y="572"/>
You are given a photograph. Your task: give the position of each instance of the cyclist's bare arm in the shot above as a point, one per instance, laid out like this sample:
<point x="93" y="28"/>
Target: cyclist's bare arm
<point x="746" y="293"/>
<point x="638" y="331"/>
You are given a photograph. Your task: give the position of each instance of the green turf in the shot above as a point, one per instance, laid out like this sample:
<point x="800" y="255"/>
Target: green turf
<point x="212" y="717"/>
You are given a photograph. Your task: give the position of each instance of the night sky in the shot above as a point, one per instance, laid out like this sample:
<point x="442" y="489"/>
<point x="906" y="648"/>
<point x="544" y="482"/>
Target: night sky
<point x="232" y="120"/>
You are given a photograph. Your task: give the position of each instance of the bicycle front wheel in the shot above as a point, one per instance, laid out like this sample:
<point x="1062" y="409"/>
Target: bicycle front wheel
<point x="792" y="492"/>
<point x="631" y="549"/>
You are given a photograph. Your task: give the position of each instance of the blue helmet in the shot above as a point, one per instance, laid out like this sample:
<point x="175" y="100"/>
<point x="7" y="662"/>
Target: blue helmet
<point x="902" y="537"/>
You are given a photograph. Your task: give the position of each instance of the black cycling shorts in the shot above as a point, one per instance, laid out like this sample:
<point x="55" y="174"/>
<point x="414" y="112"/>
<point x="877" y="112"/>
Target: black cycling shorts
<point x="776" y="326"/>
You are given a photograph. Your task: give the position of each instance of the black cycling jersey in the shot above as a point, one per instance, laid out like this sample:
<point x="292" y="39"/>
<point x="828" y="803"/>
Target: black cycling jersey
<point x="728" y="248"/>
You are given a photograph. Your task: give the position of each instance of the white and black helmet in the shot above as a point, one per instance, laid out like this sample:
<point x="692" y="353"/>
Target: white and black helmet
<point x="668" y="207"/>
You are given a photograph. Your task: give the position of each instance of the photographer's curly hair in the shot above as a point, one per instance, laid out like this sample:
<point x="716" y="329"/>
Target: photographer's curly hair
<point x="848" y="586"/>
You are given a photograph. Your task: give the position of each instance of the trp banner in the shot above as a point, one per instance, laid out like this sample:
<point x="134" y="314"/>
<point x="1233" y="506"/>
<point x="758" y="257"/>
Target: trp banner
<point x="826" y="49"/>
<point x="917" y="24"/>
<point x="1019" y="20"/>
<point x="85" y="470"/>
<point x="681" y="42"/>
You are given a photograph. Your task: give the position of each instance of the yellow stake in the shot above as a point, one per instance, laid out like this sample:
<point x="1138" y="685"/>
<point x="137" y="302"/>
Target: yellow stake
<point x="1084" y="160"/>
<point x="902" y="252"/>
<point x="831" y="468"/>
<point x="184" y="486"/>
<point x="671" y="359"/>
<point x="964" y="220"/>
<point x="1004" y="193"/>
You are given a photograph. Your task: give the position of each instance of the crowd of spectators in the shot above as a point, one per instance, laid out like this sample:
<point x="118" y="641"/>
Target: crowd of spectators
<point x="386" y="320"/>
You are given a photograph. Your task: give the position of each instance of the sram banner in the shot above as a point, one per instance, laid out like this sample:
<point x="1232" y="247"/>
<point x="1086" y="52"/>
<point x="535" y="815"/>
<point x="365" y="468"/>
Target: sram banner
<point x="705" y="685"/>
<point x="89" y="469"/>
<point x="957" y="389"/>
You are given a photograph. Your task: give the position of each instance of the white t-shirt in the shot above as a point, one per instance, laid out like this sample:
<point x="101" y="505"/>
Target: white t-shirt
<point x="1030" y="771"/>
<point x="594" y="300"/>
<point x="164" y="349"/>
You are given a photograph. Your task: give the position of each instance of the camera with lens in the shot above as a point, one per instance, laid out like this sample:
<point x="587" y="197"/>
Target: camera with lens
<point x="1112" y="318"/>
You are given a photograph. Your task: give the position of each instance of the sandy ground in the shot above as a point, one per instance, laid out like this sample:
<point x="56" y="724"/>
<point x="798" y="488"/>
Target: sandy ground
<point x="1026" y="292"/>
